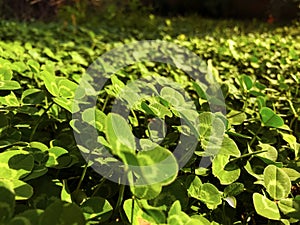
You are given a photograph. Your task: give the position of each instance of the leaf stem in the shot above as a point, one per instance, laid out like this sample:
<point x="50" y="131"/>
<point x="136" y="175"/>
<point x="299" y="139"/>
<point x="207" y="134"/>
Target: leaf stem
<point x="223" y="212"/>
<point x="247" y="155"/>
<point x="120" y="199"/>
<point x="38" y="121"/>
<point x="103" y="179"/>
<point x="82" y="175"/>
<point x="132" y="209"/>
<point x="105" y="103"/>
<point x="134" y="115"/>
<point x="292" y="107"/>
<point x="255" y="136"/>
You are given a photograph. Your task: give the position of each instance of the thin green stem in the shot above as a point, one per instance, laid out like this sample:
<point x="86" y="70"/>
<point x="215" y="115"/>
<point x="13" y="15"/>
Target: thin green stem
<point x="292" y="121"/>
<point x="255" y="136"/>
<point x="246" y="103"/>
<point x="292" y="107"/>
<point x="134" y="115"/>
<point x="120" y="199"/>
<point x="105" y="103"/>
<point x="82" y="175"/>
<point x="103" y="179"/>
<point x="248" y="155"/>
<point x="132" y="209"/>
<point x="39" y="120"/>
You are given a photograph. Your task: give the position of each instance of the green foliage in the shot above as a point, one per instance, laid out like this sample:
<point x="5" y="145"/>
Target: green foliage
<point x="252" y="152"/>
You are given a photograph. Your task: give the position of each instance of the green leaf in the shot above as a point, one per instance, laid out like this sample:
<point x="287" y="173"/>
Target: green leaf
<point x="236" y="117"/>
<point x="149" y="191"/>
<point x="38" y="145"/>
<point x="271" y="152"/>
<point x="49" y="53"/>
<point x="225" y="176"/>
<point x="54" y="154"/>
<point x="292" y="141"/>
<point x="37" y="171"/>
<point x="21" y="190"/>
<point x="251" y="170"/>
<point x="59" y="213"/>
<point x="265" y="207"/>
<point x="50" y="83"/>
<point x="7" y="201"/>
<point x="232" y="49"/>
<point x="33" y="96"/>
<point x="175" y="209"/>
<point x="19" y="220"/>
<point x="290" y="207"/>
<point x="154" y="168"/>
<point x="65" y="194"/>
<point x="4" y="123"/>
<point x="33" y="65"/>
<point x="33" y="215"/>
<point x="176" y="216"/>
<point x="19" y="66"/>
<point x="15" y="164"/>
<point x="157" y="165"/>
<point x="96" y="208"/>
<point x="64" y="103"/>
<point x="261" y="102"/>
<point x="160" y="110"/>
<point x="293" y="174"/>
<point x="77" y="58"/>
<point x="171" y="193"/>
<point x="270" y="119"/>
<point x="157" y="130"/>
<point x="119" y="134"/>
<point x="234" y="189"/>
<point x="78" y="196"/>
<point x="200" y="220"/>
<point x="10" y="100"/>
<point x="142" y="213"/>
<point x="210" y="195"/>
<point x="9" y="85"/>
<point x="95" y="118"/>
<point x="5" y="73"/>
<point x="199" y="90"/>
<point x="118" y="87"/>
<point x="211" y="130"/>
<point x="247" y="81"/>
<point x="171" y="95"/>
<point x="277" y="182"/>
<point x="66" y="87"/>
<point x="193" y="184"/>
<point x="229" y="148"/>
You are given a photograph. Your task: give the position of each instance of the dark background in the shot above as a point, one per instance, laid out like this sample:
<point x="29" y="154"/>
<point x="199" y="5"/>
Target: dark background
<point x="277" y="10"/>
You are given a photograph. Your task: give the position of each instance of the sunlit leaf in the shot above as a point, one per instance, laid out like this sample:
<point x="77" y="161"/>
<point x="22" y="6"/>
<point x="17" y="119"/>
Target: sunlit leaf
<point x="265" y="207"/>
<point x="277" y="182"/>
<point x="9" y="85"/>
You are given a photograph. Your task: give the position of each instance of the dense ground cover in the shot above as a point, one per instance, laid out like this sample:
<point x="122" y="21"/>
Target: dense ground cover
<point x="44" y="178"/>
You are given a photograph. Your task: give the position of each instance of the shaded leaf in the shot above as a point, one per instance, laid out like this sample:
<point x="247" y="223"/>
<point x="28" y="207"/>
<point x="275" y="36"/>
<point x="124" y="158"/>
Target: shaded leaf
<point x="59" y="213"/>
<point x="96" y="208"/>
<point x="269" y="118"/>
